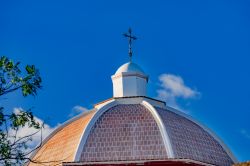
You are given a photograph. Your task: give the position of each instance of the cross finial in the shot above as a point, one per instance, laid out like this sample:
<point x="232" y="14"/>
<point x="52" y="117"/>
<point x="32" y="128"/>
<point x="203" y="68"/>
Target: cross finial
<point x="130" y="38"/>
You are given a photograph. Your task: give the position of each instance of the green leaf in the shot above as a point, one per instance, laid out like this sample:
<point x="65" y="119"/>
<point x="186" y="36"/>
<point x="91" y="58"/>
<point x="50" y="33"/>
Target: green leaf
<point x="30" y="69"/>
<point x="9" y="65"/>
<point x="2" y="61"/>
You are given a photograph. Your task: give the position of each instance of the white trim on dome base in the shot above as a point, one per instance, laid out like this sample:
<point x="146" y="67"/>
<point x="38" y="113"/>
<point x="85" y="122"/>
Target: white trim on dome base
<point x="132" y="100"/>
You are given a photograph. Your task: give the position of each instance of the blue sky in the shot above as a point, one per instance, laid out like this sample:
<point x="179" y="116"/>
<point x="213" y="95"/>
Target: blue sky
<point x="77" y="45"/>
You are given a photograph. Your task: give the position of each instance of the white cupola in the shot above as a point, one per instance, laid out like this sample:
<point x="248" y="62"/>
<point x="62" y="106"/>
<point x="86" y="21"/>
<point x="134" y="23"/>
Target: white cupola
<point x="129" y="80"/>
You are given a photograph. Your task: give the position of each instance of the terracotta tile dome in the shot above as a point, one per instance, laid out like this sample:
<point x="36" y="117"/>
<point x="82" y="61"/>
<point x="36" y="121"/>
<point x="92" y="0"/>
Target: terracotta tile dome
<point x="124" y="132"/>
<point x="62" y="144"/>
<point x="118" y="131"/>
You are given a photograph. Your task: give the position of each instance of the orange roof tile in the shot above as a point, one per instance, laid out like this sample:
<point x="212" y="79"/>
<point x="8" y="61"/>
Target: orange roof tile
<point x="62" y="146"/>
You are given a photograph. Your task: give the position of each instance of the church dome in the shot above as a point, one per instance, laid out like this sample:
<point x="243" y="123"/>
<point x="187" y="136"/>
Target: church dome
<point x="130" y="67"/>
<point x="133" y="129"/>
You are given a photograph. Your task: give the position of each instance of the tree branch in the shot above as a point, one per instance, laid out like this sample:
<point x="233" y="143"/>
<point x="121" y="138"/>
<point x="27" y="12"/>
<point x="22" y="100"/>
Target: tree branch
<point x="10" y="90"/>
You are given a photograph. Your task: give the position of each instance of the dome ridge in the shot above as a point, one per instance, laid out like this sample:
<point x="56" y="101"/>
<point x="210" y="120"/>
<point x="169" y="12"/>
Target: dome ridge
<point x="130" y="67"/>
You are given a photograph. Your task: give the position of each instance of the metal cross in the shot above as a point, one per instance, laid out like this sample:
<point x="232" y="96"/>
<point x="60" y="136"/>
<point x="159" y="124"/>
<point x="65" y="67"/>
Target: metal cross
<point x="130" y="38"/>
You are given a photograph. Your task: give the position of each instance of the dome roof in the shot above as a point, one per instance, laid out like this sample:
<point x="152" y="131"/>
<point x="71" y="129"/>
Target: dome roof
<point x="142" y="130"/>
<point x="130" y="67"/>
<point x="63" y="142"/>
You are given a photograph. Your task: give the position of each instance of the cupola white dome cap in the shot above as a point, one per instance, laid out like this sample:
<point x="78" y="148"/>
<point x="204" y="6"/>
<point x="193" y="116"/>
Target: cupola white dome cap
<point x="130" y="67"/>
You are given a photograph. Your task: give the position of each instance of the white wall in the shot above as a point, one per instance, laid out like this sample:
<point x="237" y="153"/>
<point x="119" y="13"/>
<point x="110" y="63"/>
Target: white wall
<point x="132" y="85"/>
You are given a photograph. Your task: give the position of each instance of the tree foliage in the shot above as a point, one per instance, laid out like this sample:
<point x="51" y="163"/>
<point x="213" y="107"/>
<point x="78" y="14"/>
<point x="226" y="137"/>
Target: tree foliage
<point x="11" y="78"/>
<point x="14" y="150"/>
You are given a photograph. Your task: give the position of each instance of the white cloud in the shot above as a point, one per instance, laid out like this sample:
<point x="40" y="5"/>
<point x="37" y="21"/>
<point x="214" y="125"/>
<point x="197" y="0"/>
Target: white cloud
<point x="245" y="133"/>
<point x="173" y="87"/>
<point x="25" y="131"/>
<point x="77" y="110"/>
